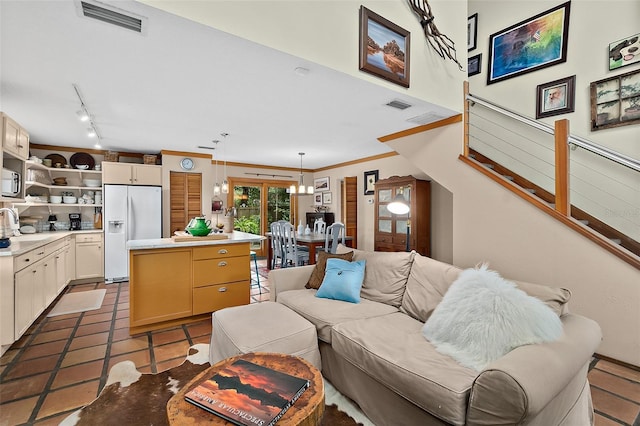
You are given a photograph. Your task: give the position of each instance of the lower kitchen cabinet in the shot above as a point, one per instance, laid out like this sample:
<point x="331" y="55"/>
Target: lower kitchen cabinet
<point x="89" y="256"/>
<point x="29" y="299"/>
<point x="169" y="286"/>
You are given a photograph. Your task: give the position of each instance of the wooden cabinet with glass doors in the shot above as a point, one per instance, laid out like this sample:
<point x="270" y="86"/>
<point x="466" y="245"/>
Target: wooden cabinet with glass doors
<point x="391" y="229"/>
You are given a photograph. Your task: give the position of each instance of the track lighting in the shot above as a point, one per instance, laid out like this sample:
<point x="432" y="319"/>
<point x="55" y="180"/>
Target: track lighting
<point x="84" y="115"/>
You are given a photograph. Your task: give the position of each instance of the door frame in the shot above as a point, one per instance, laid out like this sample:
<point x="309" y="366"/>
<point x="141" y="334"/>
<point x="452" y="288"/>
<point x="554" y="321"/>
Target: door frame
<point x="264" y="226"/>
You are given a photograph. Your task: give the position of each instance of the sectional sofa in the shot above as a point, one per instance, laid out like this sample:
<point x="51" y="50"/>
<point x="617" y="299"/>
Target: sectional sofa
<point x="375" y="353"/>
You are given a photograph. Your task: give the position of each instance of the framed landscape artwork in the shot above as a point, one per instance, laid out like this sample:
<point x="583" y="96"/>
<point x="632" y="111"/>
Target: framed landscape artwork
<point x="472" y="32"/>
<point x="321" y="184"/>
<point x="615" y="101"/>
<point x="384" y="48"/>
<point x="624" y="52"/>
<point x="473" y="65"/>
<point x="529" y="45"/>
<point x="556" y="97"/>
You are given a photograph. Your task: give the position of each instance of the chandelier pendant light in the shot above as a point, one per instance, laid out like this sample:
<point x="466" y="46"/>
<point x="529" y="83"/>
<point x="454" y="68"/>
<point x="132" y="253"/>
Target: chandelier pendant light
<point x="216" y="187"/>
<point x="225" y="183"/>
<point x="301" y="189"/>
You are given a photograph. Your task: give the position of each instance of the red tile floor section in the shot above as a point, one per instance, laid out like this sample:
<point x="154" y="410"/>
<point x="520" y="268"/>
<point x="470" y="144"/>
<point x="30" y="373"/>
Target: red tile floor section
<point x="62" y="362"/>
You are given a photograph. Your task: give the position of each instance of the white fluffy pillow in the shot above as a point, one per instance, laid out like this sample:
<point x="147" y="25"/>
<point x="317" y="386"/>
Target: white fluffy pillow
<point x="483" y="316"/>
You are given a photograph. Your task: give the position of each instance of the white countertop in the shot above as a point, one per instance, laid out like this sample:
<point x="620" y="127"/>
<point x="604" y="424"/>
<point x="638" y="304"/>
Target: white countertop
<point x="158" y="243"/>
<point x="26" y="242"/>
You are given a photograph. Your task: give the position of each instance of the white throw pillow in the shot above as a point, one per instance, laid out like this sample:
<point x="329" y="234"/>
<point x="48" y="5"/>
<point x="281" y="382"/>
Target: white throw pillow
<point x="483" y="316"/>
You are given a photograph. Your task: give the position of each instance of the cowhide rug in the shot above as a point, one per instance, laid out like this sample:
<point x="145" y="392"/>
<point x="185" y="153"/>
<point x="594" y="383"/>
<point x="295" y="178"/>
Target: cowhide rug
<point x="135" y="399"/>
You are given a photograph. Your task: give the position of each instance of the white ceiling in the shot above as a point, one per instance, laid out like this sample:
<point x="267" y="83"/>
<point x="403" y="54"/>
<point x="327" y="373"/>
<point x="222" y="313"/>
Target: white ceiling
<point x="181" y="85"/>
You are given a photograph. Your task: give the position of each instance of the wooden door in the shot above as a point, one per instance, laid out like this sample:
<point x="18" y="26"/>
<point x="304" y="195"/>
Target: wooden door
<point x="185" y="198"/>
<point x="350" y="208"/>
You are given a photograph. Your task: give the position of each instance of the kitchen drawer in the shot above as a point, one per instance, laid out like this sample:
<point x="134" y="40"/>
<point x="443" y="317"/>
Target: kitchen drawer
<point x="89" y="238"/>
<point x="215" y="297"/>
<point x="221" y="270"/>
<point x="220" y="251"/>
<point x="55" y="246"/>
<point x="29" y="258"/>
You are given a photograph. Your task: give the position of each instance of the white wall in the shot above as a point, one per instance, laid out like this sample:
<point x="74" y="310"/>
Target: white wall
<point x="523" y="243"/>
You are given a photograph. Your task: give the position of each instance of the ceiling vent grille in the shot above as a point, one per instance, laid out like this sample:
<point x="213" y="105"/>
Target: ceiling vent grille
<point x="426" y="118"/>
<point x="398" y="104"/>
<point x="112" y="16"/>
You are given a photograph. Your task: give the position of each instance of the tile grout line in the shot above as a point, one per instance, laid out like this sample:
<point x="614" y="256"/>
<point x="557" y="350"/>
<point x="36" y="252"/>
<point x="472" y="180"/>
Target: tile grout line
<point x="107" y="356"/>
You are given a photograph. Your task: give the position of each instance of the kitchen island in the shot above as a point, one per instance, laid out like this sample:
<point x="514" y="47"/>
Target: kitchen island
<point x="173" y="283"/>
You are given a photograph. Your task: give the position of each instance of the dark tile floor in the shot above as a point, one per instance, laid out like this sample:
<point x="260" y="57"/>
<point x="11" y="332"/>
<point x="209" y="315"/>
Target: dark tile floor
<point x="62" y="362"/>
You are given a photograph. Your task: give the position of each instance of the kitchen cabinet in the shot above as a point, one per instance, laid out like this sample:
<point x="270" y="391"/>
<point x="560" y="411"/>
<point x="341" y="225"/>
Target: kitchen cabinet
<point x="170" y="286"/>
<point x="390" y="230"/>
<point x="29" y="295"/>
<point x="89" y="256"/>
<point x="15" y="139"/>
<point x="131" y="174"/>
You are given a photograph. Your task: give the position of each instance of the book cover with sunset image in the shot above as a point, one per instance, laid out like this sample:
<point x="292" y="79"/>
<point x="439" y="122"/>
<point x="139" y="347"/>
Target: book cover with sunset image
<point x="248" y="394"/>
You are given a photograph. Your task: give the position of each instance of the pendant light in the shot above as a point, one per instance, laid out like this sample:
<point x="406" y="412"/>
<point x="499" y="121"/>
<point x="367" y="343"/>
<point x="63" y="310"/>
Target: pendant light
<point x="225" y="183"/>
<point x="216" y="187"/>
<point x="300" y="189"/>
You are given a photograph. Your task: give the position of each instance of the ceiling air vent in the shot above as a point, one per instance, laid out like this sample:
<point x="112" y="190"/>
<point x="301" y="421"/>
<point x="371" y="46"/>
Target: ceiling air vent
<point x="112" y="15"/>
<point x="426" y="118"/>
<point x="398" y="104"/>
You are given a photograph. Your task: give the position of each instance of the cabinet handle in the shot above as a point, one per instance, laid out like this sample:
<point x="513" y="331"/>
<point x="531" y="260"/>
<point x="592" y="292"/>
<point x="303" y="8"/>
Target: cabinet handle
<point x="222" y="289"/>
<point x="222" y="263"/>
<point x="222" y="251"/>
<point x="27" y="259"/>
<point x="41" y="253"/>
<point x="33" y="272"/>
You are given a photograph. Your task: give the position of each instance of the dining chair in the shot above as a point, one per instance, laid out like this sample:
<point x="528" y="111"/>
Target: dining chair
<point x="293" y="254"/>
<point x="335" y="234"/>
<point x="276" y="243"/>
<point x="319" y="226"/>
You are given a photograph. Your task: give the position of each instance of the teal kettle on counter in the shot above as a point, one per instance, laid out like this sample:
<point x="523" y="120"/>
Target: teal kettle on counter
<point x="199" y="227"/>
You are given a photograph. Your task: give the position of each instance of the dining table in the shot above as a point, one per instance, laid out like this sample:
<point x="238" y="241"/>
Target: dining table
<point x="311" y="241"/>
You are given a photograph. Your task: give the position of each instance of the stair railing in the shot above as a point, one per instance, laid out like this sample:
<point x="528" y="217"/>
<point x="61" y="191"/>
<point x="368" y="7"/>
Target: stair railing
<point x="541" y="153"/>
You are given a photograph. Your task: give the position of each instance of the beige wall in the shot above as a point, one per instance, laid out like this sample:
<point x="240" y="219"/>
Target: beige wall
<point x="521" y="242"/>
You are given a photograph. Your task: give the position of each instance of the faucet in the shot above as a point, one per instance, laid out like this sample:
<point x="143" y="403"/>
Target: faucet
<point x="15" y="216"/>
<point x="4" y="234"/>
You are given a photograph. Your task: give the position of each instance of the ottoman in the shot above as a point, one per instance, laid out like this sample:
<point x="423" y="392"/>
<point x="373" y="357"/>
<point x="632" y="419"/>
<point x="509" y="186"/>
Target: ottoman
<point x="262" y="327"/>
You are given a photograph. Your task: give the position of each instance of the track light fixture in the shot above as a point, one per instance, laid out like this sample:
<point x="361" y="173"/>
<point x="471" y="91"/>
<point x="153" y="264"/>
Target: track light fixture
<point x="84" y="115"/>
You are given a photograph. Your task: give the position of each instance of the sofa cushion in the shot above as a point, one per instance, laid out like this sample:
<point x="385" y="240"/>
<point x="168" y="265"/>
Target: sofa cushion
<point x="385" y="276"/>
<point x="554" y="297"/>
<point x="315" y="280"/>
<point x="342" y="280"/>
<point x="428" y="281"/>
<point x="406" y="363"/>
<point x="325" y="313"/>
<point x="483" y="316"/>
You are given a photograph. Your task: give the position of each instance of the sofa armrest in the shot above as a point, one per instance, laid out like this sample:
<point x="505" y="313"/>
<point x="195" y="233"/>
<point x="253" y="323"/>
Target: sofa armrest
<point x="519" y="385"/>
<point x="288" y="279"/>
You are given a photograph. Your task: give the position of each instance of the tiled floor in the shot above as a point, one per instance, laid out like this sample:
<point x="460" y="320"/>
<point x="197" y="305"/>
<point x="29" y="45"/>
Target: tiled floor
<point x="62" y="362"/>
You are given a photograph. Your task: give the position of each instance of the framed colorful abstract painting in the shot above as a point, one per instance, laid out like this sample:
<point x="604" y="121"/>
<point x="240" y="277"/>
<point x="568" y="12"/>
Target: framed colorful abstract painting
<point x="529" y="45"/>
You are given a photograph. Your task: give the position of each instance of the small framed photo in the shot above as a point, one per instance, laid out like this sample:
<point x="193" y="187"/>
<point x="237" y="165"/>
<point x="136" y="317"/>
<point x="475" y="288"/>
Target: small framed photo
<point x="556" y="97"/>
<point x="472" y="32"/>
<point x="624" y="52"/>
<point x="473" y="65"/>
<point x="384" y="48"/>
<point x="317" y="199"/>
<point x="326" y="198"/>
<point x="370" y="179"/>
<point x="615" y="101"/>
<point x="321" y="184"/>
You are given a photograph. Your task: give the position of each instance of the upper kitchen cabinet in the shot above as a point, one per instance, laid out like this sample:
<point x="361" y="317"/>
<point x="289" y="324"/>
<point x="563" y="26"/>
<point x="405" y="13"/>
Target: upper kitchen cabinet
<point x="15" y="139"/>
<point x="131" y="174"/>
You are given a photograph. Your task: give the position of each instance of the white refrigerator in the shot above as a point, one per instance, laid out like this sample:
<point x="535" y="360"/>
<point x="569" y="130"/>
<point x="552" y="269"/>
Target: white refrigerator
<point x="130" y="212"/>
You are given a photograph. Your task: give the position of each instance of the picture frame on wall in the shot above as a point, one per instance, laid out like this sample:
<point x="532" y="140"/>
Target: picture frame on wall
<point x="556" y="97"/>
<point x="472" y="32"/>
<point x="321" y="184"/>
<point x="535" y="43"/>
<point x="326" y="198"/>
<point x="615" y="101"/>
<point x="624" y="52"/>
<point x="370" y="179"/>
<point x="317" y="199"/>
<point x="384" y="48"/>
<point x="474" y="64"/>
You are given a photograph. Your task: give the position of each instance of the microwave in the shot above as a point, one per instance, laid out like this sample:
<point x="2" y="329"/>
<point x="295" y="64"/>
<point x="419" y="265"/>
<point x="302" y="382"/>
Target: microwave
<point x="10" y="183"/>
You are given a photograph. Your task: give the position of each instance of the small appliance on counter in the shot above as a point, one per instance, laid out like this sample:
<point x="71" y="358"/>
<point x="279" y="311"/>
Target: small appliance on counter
<point x="75" y="223"/>
<point x="52" y="222"/>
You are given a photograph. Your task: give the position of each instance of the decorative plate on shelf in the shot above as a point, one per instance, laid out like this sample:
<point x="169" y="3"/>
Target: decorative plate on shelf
<point x="56" y="158"/>
<point x="82" y="158"/>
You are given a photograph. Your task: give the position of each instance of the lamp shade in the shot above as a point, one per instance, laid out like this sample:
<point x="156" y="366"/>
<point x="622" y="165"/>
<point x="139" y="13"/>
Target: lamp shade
<point x="398" y="205"/>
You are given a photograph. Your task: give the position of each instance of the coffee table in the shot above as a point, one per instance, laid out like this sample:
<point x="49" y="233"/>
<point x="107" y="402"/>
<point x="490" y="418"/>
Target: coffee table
<point x="307" y="410"/>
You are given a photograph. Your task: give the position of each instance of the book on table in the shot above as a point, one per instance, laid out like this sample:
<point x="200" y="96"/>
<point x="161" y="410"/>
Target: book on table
<point x="248" y="394"/>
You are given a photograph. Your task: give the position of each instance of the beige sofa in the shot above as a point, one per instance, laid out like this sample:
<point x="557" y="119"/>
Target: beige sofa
<point x="374" y="351"/>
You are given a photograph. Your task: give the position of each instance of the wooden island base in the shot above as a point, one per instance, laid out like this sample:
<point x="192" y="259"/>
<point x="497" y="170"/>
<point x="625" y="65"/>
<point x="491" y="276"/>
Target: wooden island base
<point x="306" y="411"/>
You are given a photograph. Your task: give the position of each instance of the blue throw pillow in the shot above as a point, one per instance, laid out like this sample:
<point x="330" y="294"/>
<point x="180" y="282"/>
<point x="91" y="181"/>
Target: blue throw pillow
<point x="342" y="280"/>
